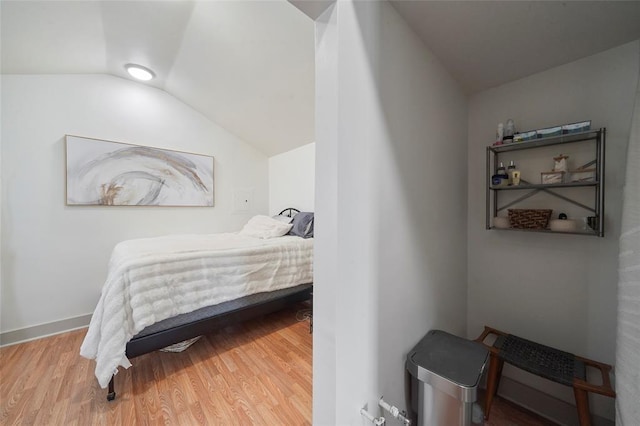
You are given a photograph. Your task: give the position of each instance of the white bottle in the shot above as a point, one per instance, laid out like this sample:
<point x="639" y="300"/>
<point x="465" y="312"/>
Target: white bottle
<point x="500" y="133"/>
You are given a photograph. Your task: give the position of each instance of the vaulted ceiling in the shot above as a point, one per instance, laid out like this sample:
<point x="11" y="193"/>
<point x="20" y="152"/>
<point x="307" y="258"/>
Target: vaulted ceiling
<point x="246" y="65"/>
<point x="249" y="65"/>
<point x="485" y="44"/>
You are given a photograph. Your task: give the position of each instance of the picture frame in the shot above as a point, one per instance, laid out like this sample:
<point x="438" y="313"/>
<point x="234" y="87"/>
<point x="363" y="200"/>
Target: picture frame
<point x="107" y="173"/>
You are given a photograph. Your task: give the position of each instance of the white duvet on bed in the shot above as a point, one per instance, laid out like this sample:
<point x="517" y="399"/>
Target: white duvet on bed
<point x="153" y="279"/>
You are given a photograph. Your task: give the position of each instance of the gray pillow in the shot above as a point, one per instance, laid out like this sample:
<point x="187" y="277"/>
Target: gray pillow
<point x="302" y="225"/>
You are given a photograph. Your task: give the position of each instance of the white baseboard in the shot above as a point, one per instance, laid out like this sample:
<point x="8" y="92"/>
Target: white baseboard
<point x="43" y="330"/>
<point x="545" y="405"/>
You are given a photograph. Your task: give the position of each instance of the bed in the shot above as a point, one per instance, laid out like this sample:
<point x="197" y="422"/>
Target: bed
<point x="165" y="290"/>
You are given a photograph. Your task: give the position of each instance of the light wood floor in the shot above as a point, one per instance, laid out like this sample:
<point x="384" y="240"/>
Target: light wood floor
<point x="505" y="413"/>
<point x="256" y="373"/>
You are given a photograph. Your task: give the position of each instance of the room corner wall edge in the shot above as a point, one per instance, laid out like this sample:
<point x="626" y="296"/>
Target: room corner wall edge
<point x="43" y="330"/>
<point x="312" y="8"/>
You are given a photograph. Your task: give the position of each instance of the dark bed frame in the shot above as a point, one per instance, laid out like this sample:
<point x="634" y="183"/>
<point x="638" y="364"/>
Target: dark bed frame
<point x="205" y="320"/>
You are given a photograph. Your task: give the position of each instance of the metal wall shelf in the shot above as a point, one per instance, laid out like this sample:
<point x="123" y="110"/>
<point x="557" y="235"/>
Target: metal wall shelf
<point x="593" y="233"/>
<point x="597" y="207"/>
<point x="553" y="140"/>
<point x="543" y="186"/>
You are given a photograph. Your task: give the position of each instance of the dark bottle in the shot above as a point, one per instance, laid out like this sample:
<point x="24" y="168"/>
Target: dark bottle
<point x="501" y="178"/>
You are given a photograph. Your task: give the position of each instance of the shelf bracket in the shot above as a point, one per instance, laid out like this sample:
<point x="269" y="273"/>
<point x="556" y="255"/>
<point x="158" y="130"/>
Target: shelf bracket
<point x="550" y="192"/>
<point x="569" y="200"/>
<point x="517" y="200"/>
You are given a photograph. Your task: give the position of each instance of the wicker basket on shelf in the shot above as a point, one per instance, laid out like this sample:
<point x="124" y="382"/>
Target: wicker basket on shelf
<point x="529" y="218"/>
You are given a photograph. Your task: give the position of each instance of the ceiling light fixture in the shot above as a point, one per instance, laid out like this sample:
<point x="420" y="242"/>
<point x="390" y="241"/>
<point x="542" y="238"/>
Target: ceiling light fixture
<point x="139" y="72"/>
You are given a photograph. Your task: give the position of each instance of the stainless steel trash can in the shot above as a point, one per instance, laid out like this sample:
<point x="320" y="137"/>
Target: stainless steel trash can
<point x="445" y="372"/>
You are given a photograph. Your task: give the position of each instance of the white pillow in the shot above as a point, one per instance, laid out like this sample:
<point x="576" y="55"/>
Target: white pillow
<point x="265" y="227"/>
<point x="283" y="218"/>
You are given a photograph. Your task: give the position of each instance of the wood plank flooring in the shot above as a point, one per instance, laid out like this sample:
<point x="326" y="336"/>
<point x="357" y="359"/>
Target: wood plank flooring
<point x="505" y="413"/>
<point x="256" y="373"/>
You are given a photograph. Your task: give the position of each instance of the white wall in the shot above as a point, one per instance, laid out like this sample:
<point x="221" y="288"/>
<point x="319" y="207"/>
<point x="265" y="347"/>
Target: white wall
<point x="54" y="257"/>
<point x="292" y="176"/>
<point x="559" y="290"/>
<point x="326" y="224"/>
<point x="394" y="265"/>
<point x="1" y="207"/>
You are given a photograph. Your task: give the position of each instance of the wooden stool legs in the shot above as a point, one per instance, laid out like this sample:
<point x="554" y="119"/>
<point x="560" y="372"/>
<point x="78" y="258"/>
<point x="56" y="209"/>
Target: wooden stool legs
<point x="582" y="403"/>
<point x="493" y="380"/>
<point x="581" y="387"/>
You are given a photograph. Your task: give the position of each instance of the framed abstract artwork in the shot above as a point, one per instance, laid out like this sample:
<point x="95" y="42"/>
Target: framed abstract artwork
<point x="106" y="173"/>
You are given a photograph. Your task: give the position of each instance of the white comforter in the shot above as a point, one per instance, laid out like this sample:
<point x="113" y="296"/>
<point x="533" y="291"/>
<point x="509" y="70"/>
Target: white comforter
<point x="152" y="279"/>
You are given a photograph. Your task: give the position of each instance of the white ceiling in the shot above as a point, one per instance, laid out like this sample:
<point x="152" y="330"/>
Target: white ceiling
<point x="488" y="43"/>
<point x="246" y="65"/>
<point x="249" y="65"/>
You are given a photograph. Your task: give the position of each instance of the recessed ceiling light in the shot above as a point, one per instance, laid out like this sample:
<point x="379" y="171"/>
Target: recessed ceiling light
<point x="139" y="72"/>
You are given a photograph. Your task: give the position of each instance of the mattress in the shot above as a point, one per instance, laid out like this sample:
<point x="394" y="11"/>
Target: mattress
<point x="152" y="279"/>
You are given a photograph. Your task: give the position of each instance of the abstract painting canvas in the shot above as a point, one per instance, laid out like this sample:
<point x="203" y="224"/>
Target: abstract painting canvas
<point x="110" y="173"/>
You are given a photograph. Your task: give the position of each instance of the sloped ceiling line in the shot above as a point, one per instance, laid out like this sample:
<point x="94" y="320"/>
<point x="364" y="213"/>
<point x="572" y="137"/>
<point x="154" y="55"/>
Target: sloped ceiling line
<point x="146" y="33"/>
<point x="248" y="66"/>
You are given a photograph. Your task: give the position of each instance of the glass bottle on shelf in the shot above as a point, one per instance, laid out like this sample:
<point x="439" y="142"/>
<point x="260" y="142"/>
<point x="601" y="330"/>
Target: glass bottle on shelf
<point x="501" y="178"/>
<point x="509" y="131"/>
<point x="514" y="174"/>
